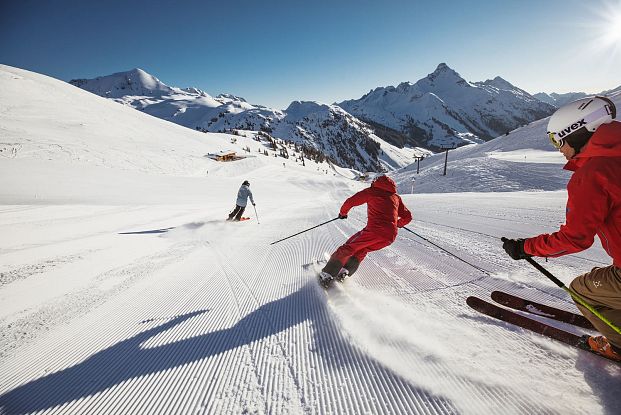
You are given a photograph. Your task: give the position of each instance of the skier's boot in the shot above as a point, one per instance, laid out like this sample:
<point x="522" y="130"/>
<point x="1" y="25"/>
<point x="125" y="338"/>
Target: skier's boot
<point x="329" y="271"/>
<point x="352" y="265"/>
<point x="343" y="273"/>
<point x="601" y="346"/>
<point x="325" y="279"/>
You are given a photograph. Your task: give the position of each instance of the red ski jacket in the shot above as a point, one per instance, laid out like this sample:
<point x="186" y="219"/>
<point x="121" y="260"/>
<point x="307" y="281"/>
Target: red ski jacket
<point x="385" y="209"/>
<point x="593" y="200"/>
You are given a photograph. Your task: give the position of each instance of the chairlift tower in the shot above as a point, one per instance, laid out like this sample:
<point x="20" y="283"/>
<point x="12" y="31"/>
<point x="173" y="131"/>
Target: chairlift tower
<point x="446" y="157"/>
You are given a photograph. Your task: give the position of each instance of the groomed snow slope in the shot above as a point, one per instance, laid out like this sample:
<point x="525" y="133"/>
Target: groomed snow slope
<point x="123" y="290"/>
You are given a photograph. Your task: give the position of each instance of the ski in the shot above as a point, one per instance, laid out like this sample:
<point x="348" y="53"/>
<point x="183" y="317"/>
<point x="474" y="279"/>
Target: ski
<point x="509" y="316"/>
<point x="518" y="303"/>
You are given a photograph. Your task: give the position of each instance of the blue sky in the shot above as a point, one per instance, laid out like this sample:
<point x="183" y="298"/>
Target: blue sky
<point x="273" y="52"/>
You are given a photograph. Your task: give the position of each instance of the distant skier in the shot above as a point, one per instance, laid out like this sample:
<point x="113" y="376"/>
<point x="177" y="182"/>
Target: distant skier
<point x="585" y="133"/>
<point x="385" y="213"/>
<point x="242" y="200"/>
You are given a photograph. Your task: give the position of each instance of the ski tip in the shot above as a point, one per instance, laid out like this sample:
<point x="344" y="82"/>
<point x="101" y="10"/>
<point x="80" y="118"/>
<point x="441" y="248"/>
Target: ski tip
<point x="473" y="301"/>
<point x="498" y="296"/>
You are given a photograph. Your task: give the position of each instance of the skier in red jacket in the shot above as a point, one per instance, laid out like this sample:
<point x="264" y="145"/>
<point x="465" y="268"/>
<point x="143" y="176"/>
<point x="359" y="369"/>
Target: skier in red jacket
<point x="385" y="213"/>
<point x="584" y="131"/>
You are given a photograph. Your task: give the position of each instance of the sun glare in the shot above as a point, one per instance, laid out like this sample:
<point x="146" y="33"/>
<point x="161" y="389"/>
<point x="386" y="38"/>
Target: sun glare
<point x="603" y="29"/>
<point x="614" y="31"/>
<point x="611" y="27"/>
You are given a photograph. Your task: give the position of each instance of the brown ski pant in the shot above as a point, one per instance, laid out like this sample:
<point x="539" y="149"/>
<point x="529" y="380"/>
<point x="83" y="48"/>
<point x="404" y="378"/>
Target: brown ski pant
<point x="601" y="288"/>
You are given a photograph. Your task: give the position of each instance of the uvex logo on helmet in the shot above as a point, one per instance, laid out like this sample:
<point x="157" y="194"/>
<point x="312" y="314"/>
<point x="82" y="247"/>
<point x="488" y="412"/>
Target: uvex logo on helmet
<point x="572" y="128"/>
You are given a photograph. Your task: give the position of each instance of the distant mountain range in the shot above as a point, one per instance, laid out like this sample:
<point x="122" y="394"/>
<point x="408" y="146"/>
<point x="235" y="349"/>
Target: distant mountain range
<point x="559" y="100"/>
<point x="440" y="110"/>
<point x="443" y="109"/>
<point x="341" y="137"/>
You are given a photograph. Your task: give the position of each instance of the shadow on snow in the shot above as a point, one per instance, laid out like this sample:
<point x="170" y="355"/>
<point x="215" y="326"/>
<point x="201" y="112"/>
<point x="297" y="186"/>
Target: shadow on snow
<point x="191" y="226"/>
<point x="128" y="360"/>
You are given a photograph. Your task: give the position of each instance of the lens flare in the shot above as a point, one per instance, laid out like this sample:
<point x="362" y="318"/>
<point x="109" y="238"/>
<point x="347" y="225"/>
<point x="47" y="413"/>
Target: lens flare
<point x="610" y="26"/>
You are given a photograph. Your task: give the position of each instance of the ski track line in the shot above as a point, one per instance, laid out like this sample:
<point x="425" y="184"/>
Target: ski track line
<point x="279" y="342"/>
<point x="212" y="401"/>
<point x="232" y="278"/>
<point x="27" y="271"/>
<point x="318" y="386"/>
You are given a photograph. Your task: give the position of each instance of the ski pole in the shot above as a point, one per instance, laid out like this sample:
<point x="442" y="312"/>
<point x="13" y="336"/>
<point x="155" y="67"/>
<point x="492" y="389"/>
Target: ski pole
<point x="255" y="213"/>
<point x="573" y="295"/>
<point x="306" y="230"/>
<point x="450" y="253"/>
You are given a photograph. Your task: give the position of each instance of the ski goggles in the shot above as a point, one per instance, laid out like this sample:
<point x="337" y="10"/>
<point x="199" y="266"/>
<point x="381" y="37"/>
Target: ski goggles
<point x="557" y="143"/>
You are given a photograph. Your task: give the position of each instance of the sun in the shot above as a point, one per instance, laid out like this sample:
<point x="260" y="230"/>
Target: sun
<point x="603" y="29"/>
<point x="610" y="29"/>
<point x="613" y="31"/>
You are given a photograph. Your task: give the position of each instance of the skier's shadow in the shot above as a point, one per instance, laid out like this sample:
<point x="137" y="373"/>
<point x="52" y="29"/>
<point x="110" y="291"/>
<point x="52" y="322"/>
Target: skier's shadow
<point x="604" y="378"/>
<point x="191" y="226"/>
<point x="130" y="359"/>
<point x="163" y="230"/>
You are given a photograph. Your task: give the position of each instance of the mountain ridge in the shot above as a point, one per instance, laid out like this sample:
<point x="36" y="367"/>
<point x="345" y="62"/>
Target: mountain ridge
<point x="447" y="110"/>
<point x="341" y="137"/>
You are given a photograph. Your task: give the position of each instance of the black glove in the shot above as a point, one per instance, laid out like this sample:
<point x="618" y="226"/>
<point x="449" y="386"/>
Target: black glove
<point x="342" y="216"/>
<point x="514" y="247"/>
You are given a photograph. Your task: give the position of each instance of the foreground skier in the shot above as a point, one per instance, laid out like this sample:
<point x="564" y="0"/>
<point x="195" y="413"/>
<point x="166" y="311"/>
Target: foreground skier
<point x="385" y="213"/>
<point x="585" y="133"/>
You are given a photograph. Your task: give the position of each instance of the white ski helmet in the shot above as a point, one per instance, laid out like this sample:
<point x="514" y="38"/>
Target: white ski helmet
<point x="576" y="122"/>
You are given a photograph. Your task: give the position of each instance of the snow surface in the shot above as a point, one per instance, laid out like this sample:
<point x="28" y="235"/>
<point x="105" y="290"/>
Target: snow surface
<point x="123" y="290"/>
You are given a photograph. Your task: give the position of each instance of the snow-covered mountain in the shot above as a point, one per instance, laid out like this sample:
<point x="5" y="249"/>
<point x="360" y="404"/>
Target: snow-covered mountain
<point x="345" y="140"/>
<point x="443" y="109"/>
<point x="134" y="83"/>
<point x="561" y="99"/>
<point x="495" y="166"/>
